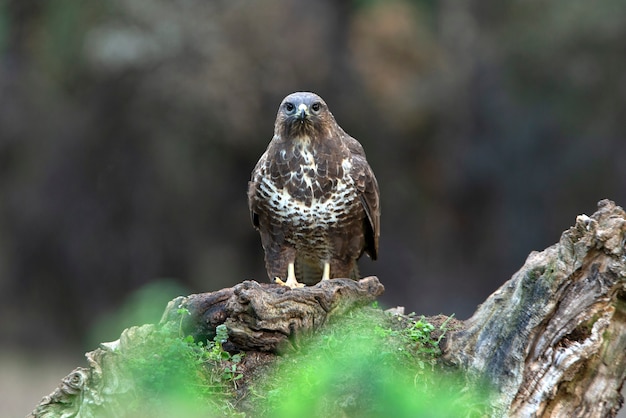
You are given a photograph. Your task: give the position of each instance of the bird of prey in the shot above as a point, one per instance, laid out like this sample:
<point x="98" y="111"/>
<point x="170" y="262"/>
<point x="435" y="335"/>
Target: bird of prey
<point x="313" y="197"/>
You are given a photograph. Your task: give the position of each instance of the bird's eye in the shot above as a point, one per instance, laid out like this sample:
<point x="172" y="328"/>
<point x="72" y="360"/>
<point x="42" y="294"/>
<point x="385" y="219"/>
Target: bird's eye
<point x="289" y="107"/>
<point x="316" y="106"/>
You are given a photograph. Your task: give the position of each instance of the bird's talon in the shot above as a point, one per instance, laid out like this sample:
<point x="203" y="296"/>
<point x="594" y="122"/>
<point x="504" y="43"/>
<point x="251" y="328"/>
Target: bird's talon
<point x="292" y="284"/>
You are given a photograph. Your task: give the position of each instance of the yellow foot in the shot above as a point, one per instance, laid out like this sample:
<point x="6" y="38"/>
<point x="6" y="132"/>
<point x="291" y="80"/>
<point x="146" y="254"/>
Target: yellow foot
<point x="289" y="283"/>
<point x="326" y="274"/>
<point x="291" y="278"/>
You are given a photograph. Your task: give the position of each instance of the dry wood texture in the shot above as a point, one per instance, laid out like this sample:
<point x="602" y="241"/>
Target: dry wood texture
<point x="268" y="317"/>
<point x="551" y="342"/>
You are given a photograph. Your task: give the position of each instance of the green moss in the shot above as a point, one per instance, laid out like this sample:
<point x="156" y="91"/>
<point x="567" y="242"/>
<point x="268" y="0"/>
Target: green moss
<point x="367" y="365"/>
<point x="172" y="375"/>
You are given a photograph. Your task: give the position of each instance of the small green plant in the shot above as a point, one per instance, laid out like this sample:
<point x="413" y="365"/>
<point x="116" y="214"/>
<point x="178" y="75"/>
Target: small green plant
<point x="417" y="335"/>
<point x="171" y="372"/>
<point x="224" y="364"/>
<point x="182" y="312"/>
<point x="420" y="332"/>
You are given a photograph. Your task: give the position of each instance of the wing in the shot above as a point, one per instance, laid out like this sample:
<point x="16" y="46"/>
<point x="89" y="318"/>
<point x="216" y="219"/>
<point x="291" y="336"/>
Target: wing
<point x="253" y="185"/>
<point x="367" y="186"/>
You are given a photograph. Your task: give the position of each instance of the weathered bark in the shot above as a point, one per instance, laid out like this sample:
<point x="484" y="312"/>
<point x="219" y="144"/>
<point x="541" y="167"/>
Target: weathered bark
<point x="551" y="341"/>
<point x="269" y="317"/>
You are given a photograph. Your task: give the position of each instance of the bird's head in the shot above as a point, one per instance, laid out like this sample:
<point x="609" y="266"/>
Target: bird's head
<point x="303" y="114"/>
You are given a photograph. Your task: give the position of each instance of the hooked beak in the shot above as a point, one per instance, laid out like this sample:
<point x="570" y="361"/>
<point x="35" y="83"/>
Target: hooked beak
<point x="302" y="112"/>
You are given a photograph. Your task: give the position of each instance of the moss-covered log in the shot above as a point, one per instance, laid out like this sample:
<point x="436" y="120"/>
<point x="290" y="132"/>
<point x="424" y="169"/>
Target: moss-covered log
<point x="551" y="342"/>
<point x="260" y="318"/>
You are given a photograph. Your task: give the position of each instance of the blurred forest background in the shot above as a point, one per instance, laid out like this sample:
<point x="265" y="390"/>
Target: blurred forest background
<point x="129" y="128"/>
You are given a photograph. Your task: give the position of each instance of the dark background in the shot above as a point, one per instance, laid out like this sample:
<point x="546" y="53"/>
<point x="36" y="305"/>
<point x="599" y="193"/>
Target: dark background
<point x="128" y="131"/>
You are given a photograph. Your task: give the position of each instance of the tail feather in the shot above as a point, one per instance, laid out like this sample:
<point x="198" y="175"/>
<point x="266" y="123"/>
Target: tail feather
<point x="310" y="272"/>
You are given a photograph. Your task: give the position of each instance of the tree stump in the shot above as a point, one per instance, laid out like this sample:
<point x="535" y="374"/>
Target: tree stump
<point x="551" y="342"/>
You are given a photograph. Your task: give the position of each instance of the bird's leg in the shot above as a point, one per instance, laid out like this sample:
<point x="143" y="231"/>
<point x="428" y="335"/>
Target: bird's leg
<point x="291" y="278"/>
<point x="326" y="274"/>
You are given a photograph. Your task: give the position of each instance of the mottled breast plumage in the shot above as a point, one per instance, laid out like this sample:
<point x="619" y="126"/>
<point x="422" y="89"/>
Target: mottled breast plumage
<point x="298" y="189"/>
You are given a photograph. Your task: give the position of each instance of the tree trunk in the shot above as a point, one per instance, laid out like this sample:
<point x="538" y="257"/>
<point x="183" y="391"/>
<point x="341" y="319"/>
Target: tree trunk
<point x="551" y="342"/>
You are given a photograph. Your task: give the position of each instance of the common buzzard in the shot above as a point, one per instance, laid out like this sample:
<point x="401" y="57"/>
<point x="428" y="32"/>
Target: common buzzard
<point x="313" y="197"/>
